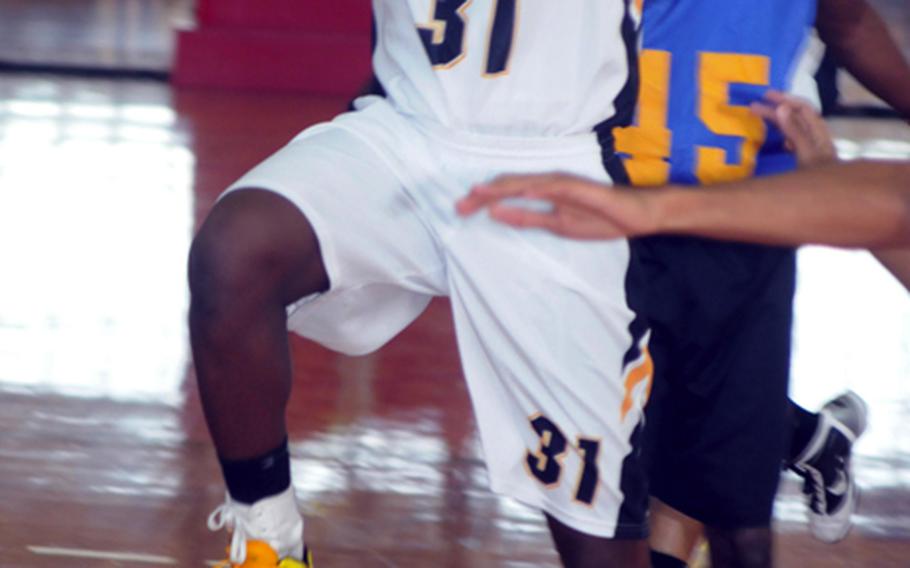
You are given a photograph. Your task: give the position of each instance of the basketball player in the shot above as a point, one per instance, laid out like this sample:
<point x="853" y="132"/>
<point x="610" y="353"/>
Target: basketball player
<point x="859" y="204"/>
<point x="346" y="234"/>
<point x="830" y="512"/>
<point x="820" y="444"/>
<point x="720" y="313"/>
<point x="704" y="132"/>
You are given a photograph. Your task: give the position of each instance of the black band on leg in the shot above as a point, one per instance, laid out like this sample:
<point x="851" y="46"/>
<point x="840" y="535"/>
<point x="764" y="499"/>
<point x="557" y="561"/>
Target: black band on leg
<point x="250" y="480"/>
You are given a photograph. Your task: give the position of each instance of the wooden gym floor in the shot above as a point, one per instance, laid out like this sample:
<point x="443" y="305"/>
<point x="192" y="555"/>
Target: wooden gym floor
<point x="104" y="457"/>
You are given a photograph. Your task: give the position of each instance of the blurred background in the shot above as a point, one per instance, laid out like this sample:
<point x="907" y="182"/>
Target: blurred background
<point x="120" y="123"/>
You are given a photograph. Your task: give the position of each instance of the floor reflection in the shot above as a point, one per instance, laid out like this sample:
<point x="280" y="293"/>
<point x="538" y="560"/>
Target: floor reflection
<point x="96" y="215"/>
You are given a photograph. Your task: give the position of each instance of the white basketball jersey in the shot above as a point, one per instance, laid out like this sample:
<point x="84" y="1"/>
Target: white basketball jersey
<point x="506" y="67"/>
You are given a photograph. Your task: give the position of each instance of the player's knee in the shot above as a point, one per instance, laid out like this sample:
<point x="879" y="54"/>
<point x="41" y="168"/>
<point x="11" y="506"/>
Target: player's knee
<point x="215" y="271"/>
<point x="252" y="249"/>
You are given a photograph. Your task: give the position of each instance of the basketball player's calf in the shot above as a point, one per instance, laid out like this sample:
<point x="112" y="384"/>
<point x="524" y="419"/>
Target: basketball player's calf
<point x="255" y="254"/>
<point x="740" y="548"/>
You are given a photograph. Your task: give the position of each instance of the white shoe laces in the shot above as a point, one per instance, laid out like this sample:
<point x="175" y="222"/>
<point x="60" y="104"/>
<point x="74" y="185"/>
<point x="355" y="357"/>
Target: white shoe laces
<point x="224" y="516"/>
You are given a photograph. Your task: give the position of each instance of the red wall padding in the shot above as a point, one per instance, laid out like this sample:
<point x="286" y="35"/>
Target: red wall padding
<point x="327" y="16"/>
<point x="312" y="46"/>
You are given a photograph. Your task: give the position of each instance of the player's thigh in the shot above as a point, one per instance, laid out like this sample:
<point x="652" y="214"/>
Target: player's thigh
<point x="381" y="262"/>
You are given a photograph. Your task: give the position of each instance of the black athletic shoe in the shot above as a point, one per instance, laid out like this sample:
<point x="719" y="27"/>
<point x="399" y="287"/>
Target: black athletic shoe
<point x="825" y="467"/>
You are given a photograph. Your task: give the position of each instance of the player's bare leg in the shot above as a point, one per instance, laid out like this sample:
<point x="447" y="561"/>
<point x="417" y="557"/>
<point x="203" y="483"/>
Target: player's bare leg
<point x="580" y="550"/>
<point x="674" y="536"/>
<point x="255" y="254"/>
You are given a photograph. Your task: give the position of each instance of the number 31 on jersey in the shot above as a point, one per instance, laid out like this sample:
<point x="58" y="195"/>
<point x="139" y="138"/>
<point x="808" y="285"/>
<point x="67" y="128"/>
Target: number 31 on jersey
<point x="445" y="37"/>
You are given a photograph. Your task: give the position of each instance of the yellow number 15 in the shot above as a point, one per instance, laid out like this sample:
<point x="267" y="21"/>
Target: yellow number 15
<point x="649" y="142"/>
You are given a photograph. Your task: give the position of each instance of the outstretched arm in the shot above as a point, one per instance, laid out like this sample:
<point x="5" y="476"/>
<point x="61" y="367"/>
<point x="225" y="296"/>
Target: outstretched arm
<point x="860" y="204"/>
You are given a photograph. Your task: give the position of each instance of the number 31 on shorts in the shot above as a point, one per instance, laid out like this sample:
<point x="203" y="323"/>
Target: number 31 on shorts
<point x="546" y="464"/>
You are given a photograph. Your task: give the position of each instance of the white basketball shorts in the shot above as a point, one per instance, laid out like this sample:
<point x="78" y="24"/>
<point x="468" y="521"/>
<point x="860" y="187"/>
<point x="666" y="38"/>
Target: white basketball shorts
<point x="556" y="373"/>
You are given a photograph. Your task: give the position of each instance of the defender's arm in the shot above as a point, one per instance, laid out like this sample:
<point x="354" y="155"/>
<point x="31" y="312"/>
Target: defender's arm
<point x="859" y="204"/>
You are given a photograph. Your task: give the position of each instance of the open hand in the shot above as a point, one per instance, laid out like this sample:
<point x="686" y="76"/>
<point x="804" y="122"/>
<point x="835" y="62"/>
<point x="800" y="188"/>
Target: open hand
<point x="580" y="208"/>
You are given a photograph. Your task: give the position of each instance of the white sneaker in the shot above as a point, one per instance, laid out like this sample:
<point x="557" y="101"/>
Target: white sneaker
<point x="274" y="520"/>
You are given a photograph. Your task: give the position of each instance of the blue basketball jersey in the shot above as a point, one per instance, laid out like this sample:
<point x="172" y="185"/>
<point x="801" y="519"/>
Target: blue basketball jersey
<point x="716" y="309"/>
<point x="702" y="63"/>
